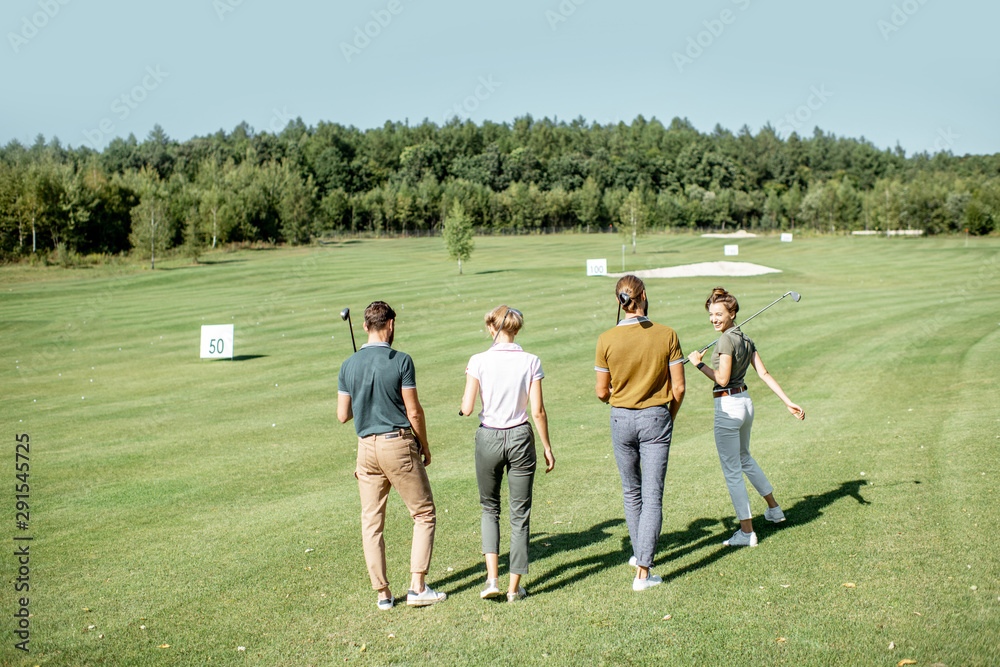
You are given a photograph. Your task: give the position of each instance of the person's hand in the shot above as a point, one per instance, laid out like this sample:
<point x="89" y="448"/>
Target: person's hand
<point x="425" y="451"/>
<point x="796" y="411"/>
<point x="550" y="460"/>
<point x="695" y="357"/>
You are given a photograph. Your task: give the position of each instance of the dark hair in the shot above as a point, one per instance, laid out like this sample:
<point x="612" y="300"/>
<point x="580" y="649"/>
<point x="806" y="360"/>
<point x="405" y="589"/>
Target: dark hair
<point x="377" y="315"/>
<point x="632" y="287"/>
<point x="720" y="295"/>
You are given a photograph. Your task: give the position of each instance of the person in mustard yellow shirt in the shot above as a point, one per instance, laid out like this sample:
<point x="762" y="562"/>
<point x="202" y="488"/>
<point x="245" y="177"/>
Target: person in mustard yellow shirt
<point x="640" y="372"/>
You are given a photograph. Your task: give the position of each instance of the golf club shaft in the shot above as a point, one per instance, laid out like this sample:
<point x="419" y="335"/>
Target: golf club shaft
<point x="351" y="327"/>
<point x="744" y="322"/>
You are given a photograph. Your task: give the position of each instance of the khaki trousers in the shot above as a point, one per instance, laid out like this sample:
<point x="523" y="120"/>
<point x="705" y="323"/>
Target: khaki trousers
<point x="385" y="463"/>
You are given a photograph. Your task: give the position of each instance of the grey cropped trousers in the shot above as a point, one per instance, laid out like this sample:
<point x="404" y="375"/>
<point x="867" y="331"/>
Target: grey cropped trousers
<point x="511" y="450"/>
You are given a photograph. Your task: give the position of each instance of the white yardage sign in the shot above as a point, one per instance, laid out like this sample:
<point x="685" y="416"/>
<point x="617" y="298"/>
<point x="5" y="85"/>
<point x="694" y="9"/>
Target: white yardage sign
<point x="217" y="341"/>
<point x="731" y="250"/>
<point x="597" y="267"/>
<point x="786" y="238"/>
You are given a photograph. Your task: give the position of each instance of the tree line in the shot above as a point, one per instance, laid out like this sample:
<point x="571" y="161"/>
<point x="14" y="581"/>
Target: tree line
<point x="306" y="182"/>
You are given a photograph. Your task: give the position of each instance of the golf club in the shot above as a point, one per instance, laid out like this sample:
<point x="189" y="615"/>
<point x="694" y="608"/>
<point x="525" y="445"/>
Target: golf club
<point x="623" y="299"/>
<point x="345" y="314"/>
<point x="795" y="297"/>
<point x="502" y="322"/>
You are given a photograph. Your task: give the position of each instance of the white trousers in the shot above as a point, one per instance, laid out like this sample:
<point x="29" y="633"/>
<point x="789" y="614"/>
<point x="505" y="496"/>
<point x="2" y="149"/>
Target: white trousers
<point x="733" y="419"/>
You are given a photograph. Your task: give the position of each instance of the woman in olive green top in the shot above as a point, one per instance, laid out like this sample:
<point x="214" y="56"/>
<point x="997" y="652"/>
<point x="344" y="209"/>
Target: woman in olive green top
<point x="734" y="354"/>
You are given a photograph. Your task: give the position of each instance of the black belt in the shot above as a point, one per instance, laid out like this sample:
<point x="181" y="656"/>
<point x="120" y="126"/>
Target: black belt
<point x="394" y="434"/>
<point x="729" y="392"/>
<point x="495" y="428"/>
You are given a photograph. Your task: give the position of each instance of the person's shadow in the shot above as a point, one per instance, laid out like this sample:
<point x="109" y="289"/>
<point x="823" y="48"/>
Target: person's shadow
<point x="542" y="546"/>
<point x="700" y="534"/>
<point x="805" y="511"/>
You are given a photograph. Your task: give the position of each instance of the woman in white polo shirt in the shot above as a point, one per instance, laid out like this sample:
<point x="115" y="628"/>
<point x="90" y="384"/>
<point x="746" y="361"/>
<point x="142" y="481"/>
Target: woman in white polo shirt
<point x="734" y="354"/>
<point x="507" y="379"/>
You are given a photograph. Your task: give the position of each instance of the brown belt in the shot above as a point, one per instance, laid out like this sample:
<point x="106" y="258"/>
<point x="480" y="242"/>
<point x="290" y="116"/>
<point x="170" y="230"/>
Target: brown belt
<point x="729" y="392"/>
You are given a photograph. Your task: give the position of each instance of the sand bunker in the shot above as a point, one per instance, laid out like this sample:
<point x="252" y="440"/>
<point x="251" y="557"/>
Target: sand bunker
<point x="741" y="234"/>
<point x="703" y="269"/>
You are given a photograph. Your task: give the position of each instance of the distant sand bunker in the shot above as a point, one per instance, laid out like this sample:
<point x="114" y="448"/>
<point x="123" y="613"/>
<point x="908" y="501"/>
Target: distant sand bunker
<point x="729" y="269"/>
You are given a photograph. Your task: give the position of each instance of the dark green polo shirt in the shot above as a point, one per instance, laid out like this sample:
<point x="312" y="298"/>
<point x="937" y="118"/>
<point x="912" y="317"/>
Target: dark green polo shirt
<point x="374" y="377"/>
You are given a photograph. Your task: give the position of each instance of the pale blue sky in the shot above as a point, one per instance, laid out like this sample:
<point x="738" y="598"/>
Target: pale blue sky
<point x="924" y="73"/>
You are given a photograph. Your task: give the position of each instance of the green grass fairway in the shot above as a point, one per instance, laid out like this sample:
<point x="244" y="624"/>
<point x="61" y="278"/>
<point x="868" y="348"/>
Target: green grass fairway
<point x="187" y="511"/>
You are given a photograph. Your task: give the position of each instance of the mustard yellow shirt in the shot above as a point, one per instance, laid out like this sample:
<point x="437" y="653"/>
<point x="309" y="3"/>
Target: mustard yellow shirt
<point x="638" y="353"/>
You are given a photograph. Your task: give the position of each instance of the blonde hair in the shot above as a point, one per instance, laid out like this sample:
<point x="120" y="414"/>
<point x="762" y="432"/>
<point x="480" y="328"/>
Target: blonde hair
<point x="720" y="295"/>
<point x="503" y="315"/>
<point x="633" y="287"/>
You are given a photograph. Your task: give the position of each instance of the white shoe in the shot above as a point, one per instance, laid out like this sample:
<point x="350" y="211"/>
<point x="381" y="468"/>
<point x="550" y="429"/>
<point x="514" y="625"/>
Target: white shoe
<point x="514" y="597"/>
<point x="741" y="539"/>
<point x="491" y="590"/>
<point x="774" y="514"/>
<point x="632" y="562"/>
<point x="428" y="596"/>
<point x="650" y="581"/>
<point x="387" y="603"/>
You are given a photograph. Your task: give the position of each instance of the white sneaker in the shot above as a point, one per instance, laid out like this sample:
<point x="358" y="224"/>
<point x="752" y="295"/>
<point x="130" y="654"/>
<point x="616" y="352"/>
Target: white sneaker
<point x="632" y="562"/>
<point x="774" y="514"/>
<point x="428" y="596"/>
<point x="514" y="597"/>
<point x="741" y="539"/>
<point x="491" y="590"/>
<point x="387" y="603"/>
<point x="650" y="581"/>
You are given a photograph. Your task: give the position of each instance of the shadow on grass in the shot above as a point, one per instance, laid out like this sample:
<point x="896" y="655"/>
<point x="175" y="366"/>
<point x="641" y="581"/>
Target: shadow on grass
<point x="699" y="536"/>
<point x="243" y="357"/>
<point x="541" y="546"/>
<point x="483" y="273"/>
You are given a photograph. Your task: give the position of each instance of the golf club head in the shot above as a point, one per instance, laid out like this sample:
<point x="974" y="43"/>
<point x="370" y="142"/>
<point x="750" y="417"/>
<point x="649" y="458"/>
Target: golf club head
<point x="795" y="296"/>
<point x="346" y="312"/>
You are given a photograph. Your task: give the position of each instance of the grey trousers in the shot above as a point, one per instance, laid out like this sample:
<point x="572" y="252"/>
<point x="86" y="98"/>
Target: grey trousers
<point x="733" y="421"/>
<point x="513" y="450"/>
<point x="641" y="441"/>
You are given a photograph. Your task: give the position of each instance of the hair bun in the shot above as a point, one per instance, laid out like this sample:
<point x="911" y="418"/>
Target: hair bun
<point x="720" y="291"/>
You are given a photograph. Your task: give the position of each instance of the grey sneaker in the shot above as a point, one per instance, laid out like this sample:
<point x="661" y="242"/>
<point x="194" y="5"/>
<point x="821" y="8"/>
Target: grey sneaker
<point x="386" y="604"/>
<point x="774" y="514"/>
<point x="428" y="596"/>
<point x="513" y="597"/>
<point x="491" y="590"/>
<point x="650" y="581"/>
<point x="741" y="539"/>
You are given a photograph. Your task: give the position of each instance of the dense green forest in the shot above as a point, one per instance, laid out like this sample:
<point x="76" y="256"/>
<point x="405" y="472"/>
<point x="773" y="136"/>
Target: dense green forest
<point x="529" y="175"/>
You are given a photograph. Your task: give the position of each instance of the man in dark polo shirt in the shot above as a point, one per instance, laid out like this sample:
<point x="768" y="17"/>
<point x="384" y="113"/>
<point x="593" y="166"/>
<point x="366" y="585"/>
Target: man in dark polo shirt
<point x="377" y="388"/>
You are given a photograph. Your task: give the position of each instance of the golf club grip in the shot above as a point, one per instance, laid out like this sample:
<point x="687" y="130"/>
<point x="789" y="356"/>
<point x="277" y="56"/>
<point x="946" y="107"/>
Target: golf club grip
<point x="701" y="350"/>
